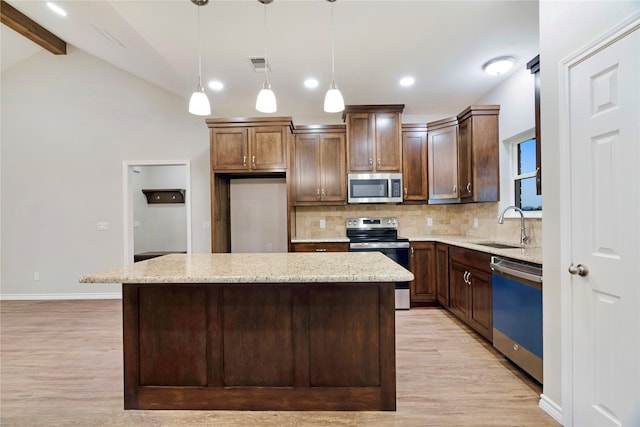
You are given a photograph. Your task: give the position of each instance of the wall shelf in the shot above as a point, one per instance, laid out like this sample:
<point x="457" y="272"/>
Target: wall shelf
<point x="156" y="196"/>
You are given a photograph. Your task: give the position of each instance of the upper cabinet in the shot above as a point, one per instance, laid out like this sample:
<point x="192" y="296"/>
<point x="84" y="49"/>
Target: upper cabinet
<point x="478" y="154"/>
<point x="374" y="140"/>
<point x="249" y="145"/>
<point x="442" y="155"/>
<point x="320" y="165"/>
<point x="414" y="162"/>
<point x="463" y="154"/>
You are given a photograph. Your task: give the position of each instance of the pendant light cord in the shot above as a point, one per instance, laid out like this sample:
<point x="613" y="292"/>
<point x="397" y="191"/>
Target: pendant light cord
<point x="333" y="71"/>
<point x="266" y="60"/>
<point x="200" y="88"/>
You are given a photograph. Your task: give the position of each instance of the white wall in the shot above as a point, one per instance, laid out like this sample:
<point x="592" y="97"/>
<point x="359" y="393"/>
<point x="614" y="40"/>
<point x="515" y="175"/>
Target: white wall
<point x="565" y="28"/>
<point x="68" y="123"/>
<point x="159" y="227"/>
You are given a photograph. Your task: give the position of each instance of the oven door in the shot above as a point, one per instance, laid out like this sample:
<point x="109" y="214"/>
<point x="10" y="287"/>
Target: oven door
<point x="397" y="251"/>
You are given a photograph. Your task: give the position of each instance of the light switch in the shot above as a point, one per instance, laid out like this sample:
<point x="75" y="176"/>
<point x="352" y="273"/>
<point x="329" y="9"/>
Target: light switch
<point x="206" y="225"/>
<point x="323" y="223"/>
<point x="136" y="224"/>
<point x="103" y="226"/>
<point x="475" y="222"/>
<point x="429" y="222"/>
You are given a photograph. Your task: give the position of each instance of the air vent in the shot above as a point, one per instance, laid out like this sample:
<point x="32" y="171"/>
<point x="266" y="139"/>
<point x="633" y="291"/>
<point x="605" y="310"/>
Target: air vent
<point x="258" y="64"/>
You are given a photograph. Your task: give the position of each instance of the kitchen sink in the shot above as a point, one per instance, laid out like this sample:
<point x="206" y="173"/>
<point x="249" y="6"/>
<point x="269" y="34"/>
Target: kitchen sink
<point x="498" y="245"/>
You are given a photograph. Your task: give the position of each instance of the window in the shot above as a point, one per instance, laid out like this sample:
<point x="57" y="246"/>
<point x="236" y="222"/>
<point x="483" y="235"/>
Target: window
<point x="524" y="171"/>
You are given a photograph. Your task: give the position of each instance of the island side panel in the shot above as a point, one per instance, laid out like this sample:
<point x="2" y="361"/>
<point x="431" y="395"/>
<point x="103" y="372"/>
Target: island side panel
<point x="275" y="313"/>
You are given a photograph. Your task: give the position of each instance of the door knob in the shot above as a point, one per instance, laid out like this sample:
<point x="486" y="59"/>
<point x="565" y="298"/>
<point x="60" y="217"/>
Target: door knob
<point x="580" y="270"/>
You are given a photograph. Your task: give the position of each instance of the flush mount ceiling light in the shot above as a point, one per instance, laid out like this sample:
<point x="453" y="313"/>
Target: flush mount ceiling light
<point x="311" y="83"/>
<point x="266" y="102"/>
<point x="407" y="81"/>
<point x="216" y="85"/>
<point x="199" y="103"/>
<point x="333" y="101"/>
<point x="499" y="65"/>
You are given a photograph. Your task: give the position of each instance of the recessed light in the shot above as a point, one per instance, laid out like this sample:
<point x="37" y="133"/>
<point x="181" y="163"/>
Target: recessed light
<point x="311" y="83"/>
<point x="216" y="85"/>
<point x="499" y="65"/>
<point x="407" y="81"/>
<point x="57" y="9"/>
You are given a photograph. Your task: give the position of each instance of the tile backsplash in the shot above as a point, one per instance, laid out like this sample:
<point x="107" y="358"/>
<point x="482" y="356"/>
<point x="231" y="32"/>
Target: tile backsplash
<point x="413" y="221"/>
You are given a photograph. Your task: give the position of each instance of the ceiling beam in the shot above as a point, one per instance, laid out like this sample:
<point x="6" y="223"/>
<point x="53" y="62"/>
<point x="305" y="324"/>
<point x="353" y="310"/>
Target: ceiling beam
<point x="13" y="18"/>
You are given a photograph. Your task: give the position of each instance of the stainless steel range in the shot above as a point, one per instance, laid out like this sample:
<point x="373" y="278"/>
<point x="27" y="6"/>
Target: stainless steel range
<point x="381" y="235"/>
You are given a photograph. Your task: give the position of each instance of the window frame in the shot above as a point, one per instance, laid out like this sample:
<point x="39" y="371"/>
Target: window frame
<point x="512" y="148"/>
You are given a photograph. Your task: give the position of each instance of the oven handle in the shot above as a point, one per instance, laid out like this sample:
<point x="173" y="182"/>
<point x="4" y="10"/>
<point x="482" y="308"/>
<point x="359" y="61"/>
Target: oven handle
<point x="379" y="245"/>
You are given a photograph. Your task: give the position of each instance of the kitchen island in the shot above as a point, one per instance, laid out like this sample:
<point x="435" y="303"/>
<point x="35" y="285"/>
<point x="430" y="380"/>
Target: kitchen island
<point x="293" y="331"/>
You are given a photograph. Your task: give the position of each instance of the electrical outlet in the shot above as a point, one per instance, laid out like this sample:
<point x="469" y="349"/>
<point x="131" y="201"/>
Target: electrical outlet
<point x="206" y="225"/>
<point x="475" y="222"/>
<point x="429" y="222"/>
<point x="323" y="223"/>
<point x="36" y="275"/>
<point x="136" y="224"/>
<point x="269" y="247"/>
<point x="103" y="226"/>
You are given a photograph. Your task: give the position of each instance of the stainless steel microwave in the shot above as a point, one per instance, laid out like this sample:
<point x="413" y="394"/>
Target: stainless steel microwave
<point x="374" y="187"/>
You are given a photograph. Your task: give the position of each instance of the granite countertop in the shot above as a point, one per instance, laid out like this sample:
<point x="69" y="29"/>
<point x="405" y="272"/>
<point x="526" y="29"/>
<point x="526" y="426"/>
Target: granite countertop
<point x="308" y="267"/>
<point x="528" y="253"/>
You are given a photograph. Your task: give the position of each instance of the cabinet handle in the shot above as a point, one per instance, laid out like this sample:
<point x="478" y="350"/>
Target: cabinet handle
<point x="253" y="160"/>
<point x="405" y="191"/>
<point x="455" y="189"/>
<point x="321" y="250"/>
<point x="469" y="188"/>
<point x="317" y="193"/>
<point x="370" y="161"/>
<point x="323" y="192"/>
<point x="244" y="160"/>
<point x="412" y="252"/>
<point x="378" y="162"/>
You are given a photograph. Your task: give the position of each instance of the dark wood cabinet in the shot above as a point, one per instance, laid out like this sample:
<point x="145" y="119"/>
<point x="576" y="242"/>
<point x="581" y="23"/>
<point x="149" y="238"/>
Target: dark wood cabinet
<point x="442" y="156"/>
<point x="442" y="274"/>
<point x="478" y="154"/>
<point x="374" y="141"/>
<point x="470" y="289"/>
<point x="254" y="145"/>
<point x="422" y="263"/>
<point x="463" y="154"/>
<point x="414" y="162"/>
<point x="320" y="247"/>
<point x="319" y="165"/>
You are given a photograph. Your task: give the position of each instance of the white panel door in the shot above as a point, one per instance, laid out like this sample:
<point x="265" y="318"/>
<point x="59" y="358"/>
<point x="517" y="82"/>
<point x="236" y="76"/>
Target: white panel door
<point x="604" y="103"/>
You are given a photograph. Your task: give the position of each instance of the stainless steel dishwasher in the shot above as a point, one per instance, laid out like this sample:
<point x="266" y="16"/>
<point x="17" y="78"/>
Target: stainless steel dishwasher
<point x="517" y="312"/>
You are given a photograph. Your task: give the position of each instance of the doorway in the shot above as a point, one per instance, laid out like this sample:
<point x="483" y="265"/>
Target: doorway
<point x="156" y="227"/>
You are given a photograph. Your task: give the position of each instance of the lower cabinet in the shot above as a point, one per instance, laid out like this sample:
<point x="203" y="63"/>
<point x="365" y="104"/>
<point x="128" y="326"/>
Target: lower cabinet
<point x="422" y="263"/>
<point x="470" y="289"/>
<point x="320" y="247"/>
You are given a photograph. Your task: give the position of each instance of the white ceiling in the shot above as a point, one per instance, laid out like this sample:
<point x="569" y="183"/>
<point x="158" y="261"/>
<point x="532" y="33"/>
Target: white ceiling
<point x="442" y="44"/>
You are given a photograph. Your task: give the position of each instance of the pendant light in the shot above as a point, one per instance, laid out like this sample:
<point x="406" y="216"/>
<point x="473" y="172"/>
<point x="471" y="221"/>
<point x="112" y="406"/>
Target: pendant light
<point x="199" y="103"/>
<point x="333" y="101"/>
<point x="266" y="102"/>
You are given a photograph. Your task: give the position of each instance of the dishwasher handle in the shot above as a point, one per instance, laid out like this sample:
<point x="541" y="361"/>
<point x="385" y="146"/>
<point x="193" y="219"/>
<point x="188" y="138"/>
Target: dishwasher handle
<point x="510" y="268"/>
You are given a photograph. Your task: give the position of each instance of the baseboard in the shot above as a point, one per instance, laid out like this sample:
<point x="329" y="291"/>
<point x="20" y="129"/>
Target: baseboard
<point x="105" y="295"/>
<point x="551" y="408"/>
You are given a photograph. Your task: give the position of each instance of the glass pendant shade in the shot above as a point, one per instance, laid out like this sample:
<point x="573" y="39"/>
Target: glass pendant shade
<point x="333" y="101"/>
<point x="199" y="103"/>
<point x="266" y="102"/>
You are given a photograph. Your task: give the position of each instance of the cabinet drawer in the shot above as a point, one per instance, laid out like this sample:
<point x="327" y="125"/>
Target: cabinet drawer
<point x="471" y="258"/>
<point x="321" y="247"/>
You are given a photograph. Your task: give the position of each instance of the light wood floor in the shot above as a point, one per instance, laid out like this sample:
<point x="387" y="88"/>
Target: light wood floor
<point x="61" y="364"/>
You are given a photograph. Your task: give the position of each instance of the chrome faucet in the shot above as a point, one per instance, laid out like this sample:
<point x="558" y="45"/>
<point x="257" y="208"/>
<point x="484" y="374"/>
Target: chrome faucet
<point x="523" y="234"/>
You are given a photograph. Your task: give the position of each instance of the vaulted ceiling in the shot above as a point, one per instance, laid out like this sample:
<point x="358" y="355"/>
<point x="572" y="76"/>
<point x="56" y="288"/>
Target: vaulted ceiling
<point x="442" y="44"/>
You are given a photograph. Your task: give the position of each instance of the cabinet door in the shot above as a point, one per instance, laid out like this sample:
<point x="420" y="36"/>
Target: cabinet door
<point x="229" y="149"/>
<point x="414" y="165"/>
<point x="361" y="131"/>
<point x="333" y="176"/>
<point x="443" y="163"/>
<point x="422" y="263"/>
<point x="458" y="290"/>
<point x="480" y="307"/>
<point x="442" y="274"/>
<point x="465" y="147"/>
<point x="268" y="147"/>
<point x="388" y="142"/>
<point x="307" y="168"/>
